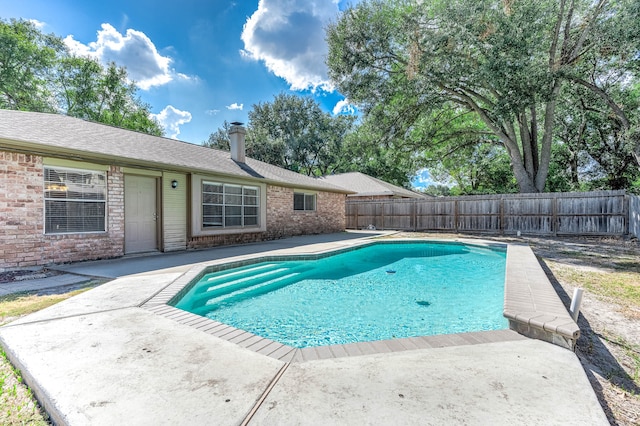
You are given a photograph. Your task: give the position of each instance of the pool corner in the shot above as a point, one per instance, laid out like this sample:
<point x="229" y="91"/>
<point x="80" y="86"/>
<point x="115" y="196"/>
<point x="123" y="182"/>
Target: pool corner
<point x="531" y="304"/>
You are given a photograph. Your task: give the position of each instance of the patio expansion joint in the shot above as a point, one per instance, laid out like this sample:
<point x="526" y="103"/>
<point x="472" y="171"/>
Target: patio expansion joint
<point x="265" y="394"/>
<point x="42" y="321"/>
<point x="163" y="289"/>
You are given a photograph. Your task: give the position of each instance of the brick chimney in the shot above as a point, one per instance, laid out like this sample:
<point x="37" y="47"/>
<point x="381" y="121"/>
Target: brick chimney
<point x="237" y="133"/>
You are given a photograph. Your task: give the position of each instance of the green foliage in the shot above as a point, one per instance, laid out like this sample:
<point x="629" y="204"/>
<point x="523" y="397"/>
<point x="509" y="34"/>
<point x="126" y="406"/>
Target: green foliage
<point x="294" y="133"/>
<point x="89" y="91"/>
<point x="38" y="74"/>
<point x="476" y="169"/>
<point x="505" y="62"/>
<point x="26" y="58"/>
<point x="438" y="190"/>
<point x="220" y="138"/>
<point x="78" y="81"/>
<point x="368" y="151"/>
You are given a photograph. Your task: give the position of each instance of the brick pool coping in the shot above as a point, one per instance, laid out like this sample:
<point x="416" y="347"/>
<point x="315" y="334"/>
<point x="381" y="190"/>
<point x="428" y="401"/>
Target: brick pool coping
<point x="531" y="306"/>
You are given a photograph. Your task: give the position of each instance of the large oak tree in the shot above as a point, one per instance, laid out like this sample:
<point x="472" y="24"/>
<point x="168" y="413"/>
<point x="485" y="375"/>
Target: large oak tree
<point x="506" y="62"/>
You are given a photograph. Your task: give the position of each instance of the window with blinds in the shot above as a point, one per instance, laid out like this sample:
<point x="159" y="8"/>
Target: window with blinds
<point x="75" y="200"/>
<point x="227" y="205"/>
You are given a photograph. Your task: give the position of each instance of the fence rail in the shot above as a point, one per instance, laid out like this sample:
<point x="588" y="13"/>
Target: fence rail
<point x="575" y="213"/>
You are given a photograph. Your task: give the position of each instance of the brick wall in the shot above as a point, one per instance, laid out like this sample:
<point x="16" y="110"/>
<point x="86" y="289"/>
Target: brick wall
<point x="24" y="244"/>
<point x="21" y="219"/>
<point x="283" y="221"/>
<point x="22" y="239"/>
<point x="225" y="240"/>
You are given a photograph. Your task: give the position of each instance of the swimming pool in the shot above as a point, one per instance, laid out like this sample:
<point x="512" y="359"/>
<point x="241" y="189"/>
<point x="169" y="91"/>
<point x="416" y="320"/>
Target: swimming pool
<point x="382" y="291"/>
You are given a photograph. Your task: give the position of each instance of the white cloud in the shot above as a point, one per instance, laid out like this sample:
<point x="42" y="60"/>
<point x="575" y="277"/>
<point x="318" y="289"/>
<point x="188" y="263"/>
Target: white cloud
<point x="171" y="119"/>
<point x="235" y="106"/>
<point x="344" y="107"/>
<point x="289" y="36"/>
<point x="38" y="24"/>
<point x="133" y="50"/>
<point x="423" y="179"/>
<point x="212" y="111"/>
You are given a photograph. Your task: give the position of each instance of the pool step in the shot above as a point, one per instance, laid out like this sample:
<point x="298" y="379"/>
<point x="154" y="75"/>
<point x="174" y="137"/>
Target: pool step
<point x="243" y="293"/>
<point x="223" y="276"/>
<point x="210" y="291"/>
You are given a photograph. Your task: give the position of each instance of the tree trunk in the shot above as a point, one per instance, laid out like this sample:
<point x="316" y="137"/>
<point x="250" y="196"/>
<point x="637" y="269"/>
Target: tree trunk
<point x="525" y="182"/>
<point x="545" y="151"/>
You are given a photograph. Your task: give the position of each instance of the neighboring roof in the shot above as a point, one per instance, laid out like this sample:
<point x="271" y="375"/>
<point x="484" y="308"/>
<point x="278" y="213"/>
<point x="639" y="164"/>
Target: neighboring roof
<point x="366" y="186"/>
<point x="61" y="136"/>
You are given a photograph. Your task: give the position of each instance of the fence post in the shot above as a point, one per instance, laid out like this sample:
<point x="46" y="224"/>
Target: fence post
<point x="414" y="213"/>
<point x="501" y="215"/>
<point x="554" y="219"/>
<point x="455" y="215"/>
<point x="356" y="219"/>
<point x="626" y="212"/>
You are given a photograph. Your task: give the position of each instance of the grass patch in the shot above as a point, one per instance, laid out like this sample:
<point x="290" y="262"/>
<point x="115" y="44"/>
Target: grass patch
<point x="17" y="403"/>
<point x="14" y="306"/>
<point x="620" y="286"/>
<point x="630" y="265"/>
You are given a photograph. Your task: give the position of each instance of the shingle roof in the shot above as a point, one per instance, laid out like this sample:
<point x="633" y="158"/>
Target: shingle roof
<point x="67" y="137"/>
<point x="365" y="185"/>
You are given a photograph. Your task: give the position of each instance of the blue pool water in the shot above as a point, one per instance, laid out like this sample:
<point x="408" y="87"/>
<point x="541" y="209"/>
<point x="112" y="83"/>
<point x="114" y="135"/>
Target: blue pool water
<point x="382" y="291"/>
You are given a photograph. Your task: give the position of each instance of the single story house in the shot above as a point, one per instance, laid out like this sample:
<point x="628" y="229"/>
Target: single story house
<point x="73" y="190"/>
<point x="365" y="187"/>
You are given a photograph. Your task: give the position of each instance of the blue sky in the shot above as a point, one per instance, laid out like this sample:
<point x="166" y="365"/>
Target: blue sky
<point x="198" y="63"/>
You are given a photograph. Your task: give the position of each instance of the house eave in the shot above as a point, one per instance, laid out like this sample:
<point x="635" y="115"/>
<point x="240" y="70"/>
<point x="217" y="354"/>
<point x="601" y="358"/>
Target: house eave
<point x="27" y="147"/>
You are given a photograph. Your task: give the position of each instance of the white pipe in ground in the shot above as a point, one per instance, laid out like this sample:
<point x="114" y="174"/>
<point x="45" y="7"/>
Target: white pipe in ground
<point x="576" y="301"/>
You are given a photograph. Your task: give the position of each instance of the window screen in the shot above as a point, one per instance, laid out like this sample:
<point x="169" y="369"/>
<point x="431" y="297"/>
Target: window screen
<point x="75" y="200"/>
<point x="303" y="201"/>
<point x="227" y="205"/>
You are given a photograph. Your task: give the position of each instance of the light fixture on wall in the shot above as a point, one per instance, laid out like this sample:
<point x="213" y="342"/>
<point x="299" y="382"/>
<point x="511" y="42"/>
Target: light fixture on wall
<point x="174" y="184"/>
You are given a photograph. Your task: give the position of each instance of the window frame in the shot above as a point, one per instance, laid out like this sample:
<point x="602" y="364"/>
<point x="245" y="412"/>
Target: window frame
<point x="49" y="186"/>
<point x="306" y="196"/>
<point x="228" y="205"/>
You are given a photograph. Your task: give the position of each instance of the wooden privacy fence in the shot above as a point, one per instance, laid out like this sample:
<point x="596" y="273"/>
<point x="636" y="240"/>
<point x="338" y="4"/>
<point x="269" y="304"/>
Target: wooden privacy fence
<point x="575" y="213"/>
<point x="634" y="215"/>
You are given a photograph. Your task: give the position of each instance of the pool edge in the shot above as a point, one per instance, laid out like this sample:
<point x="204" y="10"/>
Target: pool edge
<point x="531" y="306"/>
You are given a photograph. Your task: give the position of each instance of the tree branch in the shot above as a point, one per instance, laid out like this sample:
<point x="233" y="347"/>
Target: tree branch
<point x="598" y="91"/>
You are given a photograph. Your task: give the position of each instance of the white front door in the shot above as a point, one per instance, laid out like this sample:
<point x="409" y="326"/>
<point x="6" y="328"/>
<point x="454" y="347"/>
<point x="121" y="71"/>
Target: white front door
<point x="140" y="214"/>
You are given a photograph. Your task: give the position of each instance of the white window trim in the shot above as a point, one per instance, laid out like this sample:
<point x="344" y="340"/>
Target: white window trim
<point x="197" y="229"/>
<point x="224" y="205"/>
<point x="61" y="163"/>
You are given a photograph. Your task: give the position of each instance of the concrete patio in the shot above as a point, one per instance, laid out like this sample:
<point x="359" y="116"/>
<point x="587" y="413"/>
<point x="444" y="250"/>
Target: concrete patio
<point x="101" y="359"/>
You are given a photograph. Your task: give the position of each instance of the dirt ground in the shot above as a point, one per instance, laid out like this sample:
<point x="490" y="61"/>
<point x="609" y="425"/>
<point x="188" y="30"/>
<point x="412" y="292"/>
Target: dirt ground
<point x="609" y="345"/>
